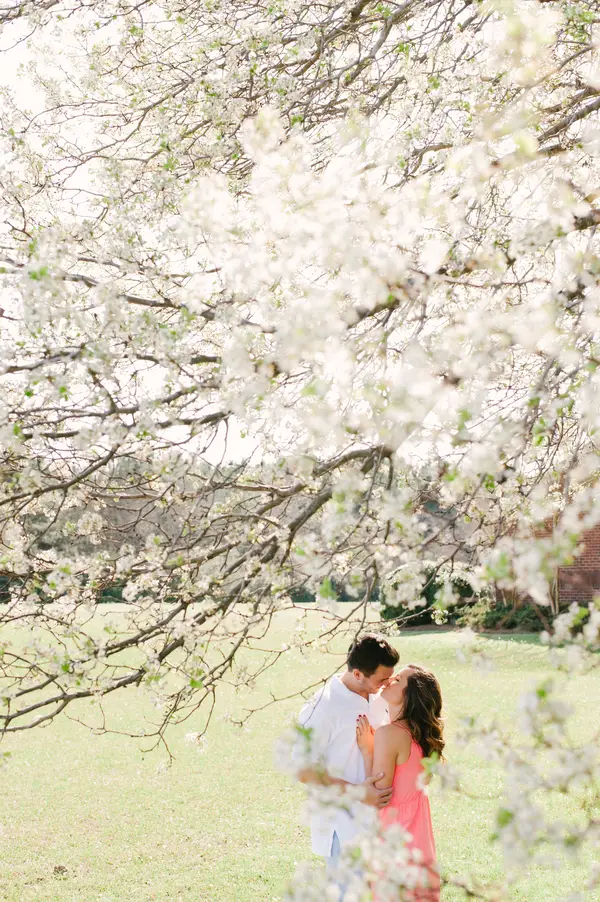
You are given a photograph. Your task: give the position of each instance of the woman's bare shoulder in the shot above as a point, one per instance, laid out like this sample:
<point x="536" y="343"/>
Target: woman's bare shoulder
<point x="391" y="736"/>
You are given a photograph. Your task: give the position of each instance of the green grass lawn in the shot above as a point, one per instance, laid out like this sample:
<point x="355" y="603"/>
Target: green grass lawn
<point x="86" y="818"/>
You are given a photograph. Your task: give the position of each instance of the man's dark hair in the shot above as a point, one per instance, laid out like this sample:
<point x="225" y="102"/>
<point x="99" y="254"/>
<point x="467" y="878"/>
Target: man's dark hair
<point x="368" y="652"/>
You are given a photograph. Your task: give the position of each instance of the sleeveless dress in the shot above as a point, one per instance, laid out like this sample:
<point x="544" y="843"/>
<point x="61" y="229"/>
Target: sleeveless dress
<point x="409" y="807"/>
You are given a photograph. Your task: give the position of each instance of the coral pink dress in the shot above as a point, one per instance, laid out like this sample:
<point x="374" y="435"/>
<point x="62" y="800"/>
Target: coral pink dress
<point x="409" y="807"/>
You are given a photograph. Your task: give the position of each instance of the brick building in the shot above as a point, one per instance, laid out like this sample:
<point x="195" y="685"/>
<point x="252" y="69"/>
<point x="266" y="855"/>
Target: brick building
<point x="580" y="581"/>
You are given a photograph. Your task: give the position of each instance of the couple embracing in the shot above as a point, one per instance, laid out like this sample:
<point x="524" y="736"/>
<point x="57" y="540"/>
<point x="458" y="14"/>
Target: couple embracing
<point x="372" y="727"/>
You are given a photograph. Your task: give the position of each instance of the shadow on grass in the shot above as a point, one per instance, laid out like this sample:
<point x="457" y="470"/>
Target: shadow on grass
<point x="498" y="635"/>
<point x="521" y="638"/>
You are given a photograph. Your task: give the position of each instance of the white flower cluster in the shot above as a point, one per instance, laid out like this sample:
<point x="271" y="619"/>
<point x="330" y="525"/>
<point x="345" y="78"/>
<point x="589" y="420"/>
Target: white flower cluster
<point x="364" y="237"/>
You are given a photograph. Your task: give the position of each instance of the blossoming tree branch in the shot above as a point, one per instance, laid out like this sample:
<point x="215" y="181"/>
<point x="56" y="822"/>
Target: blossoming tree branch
<point x="361" y="235"/>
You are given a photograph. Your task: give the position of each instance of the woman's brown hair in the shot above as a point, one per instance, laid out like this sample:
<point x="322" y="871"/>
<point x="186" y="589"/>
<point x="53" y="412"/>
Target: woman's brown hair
<point x="422" y="710"/>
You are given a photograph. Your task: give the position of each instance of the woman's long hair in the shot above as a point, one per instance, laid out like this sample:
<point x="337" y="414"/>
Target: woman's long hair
<point x="422" y="710"/>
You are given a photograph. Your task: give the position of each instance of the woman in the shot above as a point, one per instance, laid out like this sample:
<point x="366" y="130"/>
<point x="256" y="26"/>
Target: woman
<point x="396" y="750"/>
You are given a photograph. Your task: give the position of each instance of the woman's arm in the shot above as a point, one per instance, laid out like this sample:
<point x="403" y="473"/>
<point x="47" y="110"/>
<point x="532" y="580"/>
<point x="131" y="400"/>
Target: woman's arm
<point x="310" y="755"/>
<point x="387" y="748"/>
<point x="364" y="740"/>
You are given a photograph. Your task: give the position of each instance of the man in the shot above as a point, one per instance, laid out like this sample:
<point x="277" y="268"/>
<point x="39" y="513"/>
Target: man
<point x="329" y="721"/>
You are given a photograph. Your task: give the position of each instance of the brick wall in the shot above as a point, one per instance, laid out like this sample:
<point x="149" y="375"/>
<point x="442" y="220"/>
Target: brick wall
<point x="581" y="580"/>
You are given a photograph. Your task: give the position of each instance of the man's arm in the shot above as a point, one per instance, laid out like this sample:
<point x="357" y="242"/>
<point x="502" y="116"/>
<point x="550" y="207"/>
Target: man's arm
<point x="314" y="733"/>
<point x="378" y="798"/>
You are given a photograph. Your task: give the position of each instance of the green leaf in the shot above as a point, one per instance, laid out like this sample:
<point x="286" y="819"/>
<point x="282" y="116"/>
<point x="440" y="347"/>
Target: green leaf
<point x="504" y="817"/>
<point x="327" y="590"/>
<point x="38" y="274"/>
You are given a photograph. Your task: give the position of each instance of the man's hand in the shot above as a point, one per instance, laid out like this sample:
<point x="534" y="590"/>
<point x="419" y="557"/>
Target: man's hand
<point x="378" y="798"/>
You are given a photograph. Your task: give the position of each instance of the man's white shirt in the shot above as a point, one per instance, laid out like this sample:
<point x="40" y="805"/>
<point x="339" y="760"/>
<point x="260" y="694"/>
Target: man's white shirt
<point x="331" y="716"/>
